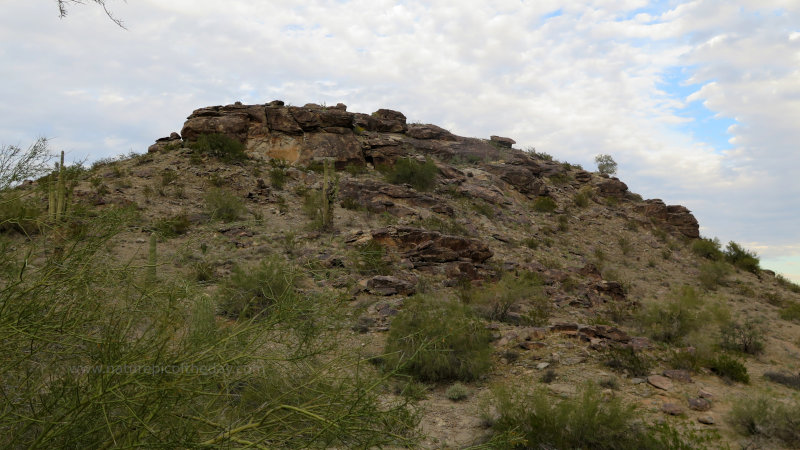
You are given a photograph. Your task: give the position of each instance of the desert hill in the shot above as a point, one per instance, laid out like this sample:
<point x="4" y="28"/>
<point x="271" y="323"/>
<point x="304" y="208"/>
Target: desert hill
<point x="337" y="279"/>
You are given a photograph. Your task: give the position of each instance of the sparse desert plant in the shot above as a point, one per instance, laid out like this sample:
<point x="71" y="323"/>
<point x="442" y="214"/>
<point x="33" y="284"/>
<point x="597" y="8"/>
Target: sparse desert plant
<point x="224" y="205"/>
<point x="544" y="204"/>
<point x="252" y="291"/>
<point x="444" y="226"/>
<point x="219" y="146"/>
<point x="457" y="392"/>
<point x="518" y="292"/>
<point x="563" y="223"/>
<point x="742" y="258"/>
<point x="580" y="199"/>
<point x="586" y="421"/>
<point x="767" y="418"/>
<point x="370" y="259"/>
<point x="713" y="274"/>
<point x="729" y="369"/>
<point x="318" y="205"/>
<point x="671" y="320"/>
<point x="788" y="284"/>
<point x="625" y="245"/>
<point x="438" y="340"/>
<point x="745" y="337"/>
<point x="277" y="174"/>
<point x="420" y="175"/>
<point x="548" y="376"/>
<point x="172" y="226"/>
<point x="626" y="359"/>
<point x="791" y="312"/>
<point x="19" y="213"/>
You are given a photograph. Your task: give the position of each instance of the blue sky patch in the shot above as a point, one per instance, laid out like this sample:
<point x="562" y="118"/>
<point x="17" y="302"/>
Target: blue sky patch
<point x="705" y="126"/>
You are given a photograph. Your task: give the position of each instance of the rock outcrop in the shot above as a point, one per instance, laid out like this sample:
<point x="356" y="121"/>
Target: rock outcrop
<point x="677" y="218"/>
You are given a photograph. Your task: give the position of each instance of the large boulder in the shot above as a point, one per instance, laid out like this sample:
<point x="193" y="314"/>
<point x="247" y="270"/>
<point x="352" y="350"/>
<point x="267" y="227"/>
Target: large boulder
<point x="675" y="217"/>
<point x="419" y="245"/>
<point x="520" y="177"/>
<point x="612" y="187"/>
<point x="397" y="200"/>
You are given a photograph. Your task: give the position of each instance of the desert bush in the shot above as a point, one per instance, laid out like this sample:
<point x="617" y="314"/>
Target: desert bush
<point x="745" y="337"/>
<point x="355" y="169"/>
<point x="792" y="381"/>
<point x="606" y="164"/>
<point x="707" y="248"/>
<point x="788" y="284"/>
<point x="625" y="245"/>
<point x="587" y="421"/>
<point x="277" y="174"/>
<point x="791" y="312"/>
<point x="548" y="376"/>
<point x="483" y="208"/>
<point x="544" y="204"/>
<point x="563" y="223"/>
<point x="457" y="392"/>
<point x="253" y="291"/>
<point x="318" y="205"/>
<point x="671" y="320"/>
<point x="219" y="146"/>
<point x="713" y="274"/>
<point x="742" y="258"/>
<point x="420" y="175"/>
<point x="729" y="369"/>
<point x="224" y="205"/>
<point x="438" y="340"/>
<point x="370" y="259"/>
<point x="514" y="292"/>
<point x="172" y="226"/>
<point x="19" y="213"/>
<point x="626" y="359"/>
<point x="444" y="226"/>
<point x="767" y="418"/>
<point x="580" y="199"/>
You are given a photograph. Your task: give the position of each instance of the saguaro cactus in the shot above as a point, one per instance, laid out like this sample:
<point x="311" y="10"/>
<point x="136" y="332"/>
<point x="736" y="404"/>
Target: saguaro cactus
<point x="152" y="259"/>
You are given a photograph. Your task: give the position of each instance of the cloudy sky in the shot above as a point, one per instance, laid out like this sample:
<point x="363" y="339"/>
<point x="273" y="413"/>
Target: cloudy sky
<point x="698" y="101"/>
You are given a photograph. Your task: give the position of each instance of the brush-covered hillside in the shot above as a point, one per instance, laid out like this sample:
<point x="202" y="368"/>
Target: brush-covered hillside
<point x="291" y="277"/>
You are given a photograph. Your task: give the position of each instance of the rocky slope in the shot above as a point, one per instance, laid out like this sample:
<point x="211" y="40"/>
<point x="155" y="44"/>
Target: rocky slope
<point x="603" y="254"/>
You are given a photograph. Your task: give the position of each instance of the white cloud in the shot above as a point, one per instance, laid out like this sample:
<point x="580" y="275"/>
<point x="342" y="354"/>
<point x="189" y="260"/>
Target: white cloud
<point x="587" y="81"/>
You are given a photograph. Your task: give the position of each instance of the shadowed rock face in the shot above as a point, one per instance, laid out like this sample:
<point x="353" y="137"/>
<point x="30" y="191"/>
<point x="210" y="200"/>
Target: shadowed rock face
<point x="677" y="217"/>
<point x="431" y="246"/>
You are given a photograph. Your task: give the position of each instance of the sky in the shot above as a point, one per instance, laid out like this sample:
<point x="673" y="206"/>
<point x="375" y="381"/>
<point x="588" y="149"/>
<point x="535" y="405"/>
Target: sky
<point x="697" y="100"/>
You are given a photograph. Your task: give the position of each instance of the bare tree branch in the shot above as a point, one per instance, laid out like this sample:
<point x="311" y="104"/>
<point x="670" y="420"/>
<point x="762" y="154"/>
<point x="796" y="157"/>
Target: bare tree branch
<point x="18" y="165"/>
<point x="63" y="9"/>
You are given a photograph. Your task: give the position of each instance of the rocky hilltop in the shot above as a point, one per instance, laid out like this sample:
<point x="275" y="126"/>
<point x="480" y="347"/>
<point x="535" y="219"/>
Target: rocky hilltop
<point x="349" y="280"/>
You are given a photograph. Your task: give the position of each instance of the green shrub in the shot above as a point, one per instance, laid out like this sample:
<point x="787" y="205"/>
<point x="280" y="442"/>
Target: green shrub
<point x="355" y="169"/>
<point x="457" y="392"/>
<point x="531" y="242"/>
<point x="548" y="376"/>
<point x="514" y="292"/>
<point x="742" y="258"/>
<point x="713" y="274"/>
<point x="767" y="418"/>
<point x="606" y="164"/>
<point x="277" y="177"/>
<point x="544" y="204"/>
<point x="352" y="204"/>
<point x="588" y="421"/>
<point x="18" y="214"/>
<point x="729" y="369"/>
<point x="707" y="248"/>
<point x="791" y="312"/>
<point x="671" y="320"/>
<point x="252" y="291"/>
<point x="788" y="284"/>
<point x="745" y="337"/>
<point x="219" y="146"/>
<point x="563" y="223"/>
<point x="172" y="226"/>
<point x="580" y="199"/>
<point x="422" y="176"/>
<point x="438" y="340"/>
<point x="444" y="226"/>
<point x="625" y="245"/>
<point x="370" y="259"/>
<point x="483" y="208"/>
<point x="224" y="205"/>
<point x="626" y="359"/>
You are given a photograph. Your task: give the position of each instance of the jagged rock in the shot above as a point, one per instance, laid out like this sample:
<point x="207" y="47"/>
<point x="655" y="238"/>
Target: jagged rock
<point x="613" y="289"/>
<point x="389" y="285"/>
<point x="420" y="245"/>
<point x="676" y="216"/>
<point x="428" y="131"/>
<point x="583" y="176"/>
<point x="603" y="332"/>
<point x="389" y="121"/>
<point x="173" y="140"/>
<point x="377" y="196"/>
<point x="564" y="327"/>
<point x="503" y="141"/>
<point x="660" y="382"/>
<point x="234" y="121"/>
<point x="519" y="177"/>
<point x="612" y="187"/>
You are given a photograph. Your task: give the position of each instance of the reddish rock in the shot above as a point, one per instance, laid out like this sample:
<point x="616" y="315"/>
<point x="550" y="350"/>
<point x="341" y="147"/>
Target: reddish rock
<point x="388" y="285"/>
<point x="521" y="178"/>
<point x="699" y="404"/>
<point x="420" y="245"/>
<point x="675" y="217"/>
<point x="660" y="382"/>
